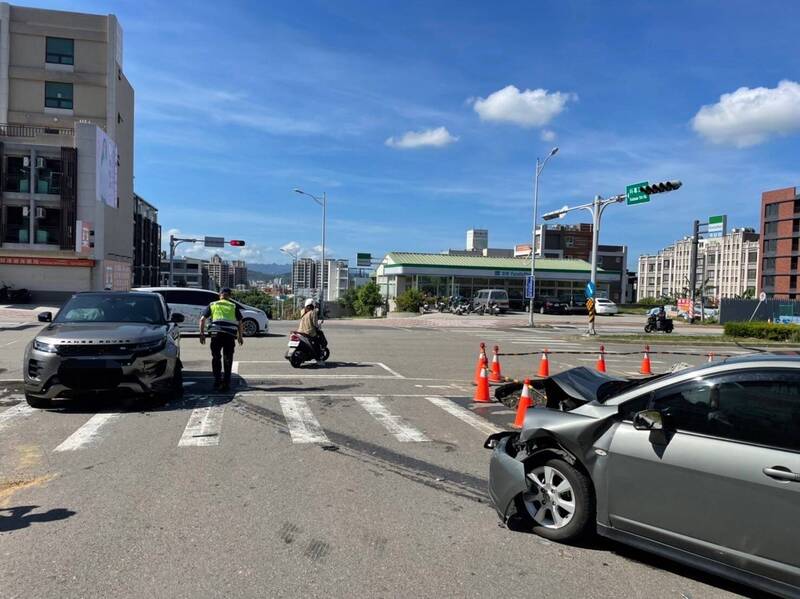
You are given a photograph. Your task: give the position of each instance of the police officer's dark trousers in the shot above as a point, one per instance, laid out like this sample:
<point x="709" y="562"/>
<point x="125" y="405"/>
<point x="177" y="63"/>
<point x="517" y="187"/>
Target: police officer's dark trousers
<point x="222" y="348"/>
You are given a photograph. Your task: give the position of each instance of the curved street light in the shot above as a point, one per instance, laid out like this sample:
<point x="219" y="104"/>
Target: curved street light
<point x="539" y="168"/>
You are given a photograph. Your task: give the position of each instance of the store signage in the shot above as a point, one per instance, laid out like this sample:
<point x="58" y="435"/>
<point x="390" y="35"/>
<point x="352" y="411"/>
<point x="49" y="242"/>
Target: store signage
<point x="106" y="169"/>
<point x="36" y="261"/>
<point x="717" y="226"/>
<point x="530" y="287"/>
<point x="84" y="238"/>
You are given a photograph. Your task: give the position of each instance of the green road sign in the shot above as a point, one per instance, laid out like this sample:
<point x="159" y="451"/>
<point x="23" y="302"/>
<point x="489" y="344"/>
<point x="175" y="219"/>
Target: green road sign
<point x="363" y="259"/>
<point x="634" y="195"/>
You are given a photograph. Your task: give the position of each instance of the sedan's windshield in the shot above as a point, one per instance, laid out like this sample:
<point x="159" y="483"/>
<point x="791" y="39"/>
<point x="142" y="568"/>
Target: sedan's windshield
<point x="112" y="308"/>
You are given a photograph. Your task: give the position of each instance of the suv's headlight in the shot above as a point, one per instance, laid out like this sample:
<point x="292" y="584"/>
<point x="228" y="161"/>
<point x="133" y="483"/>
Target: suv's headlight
<point x="151" y="346"/>
<point x="45" y="347"/>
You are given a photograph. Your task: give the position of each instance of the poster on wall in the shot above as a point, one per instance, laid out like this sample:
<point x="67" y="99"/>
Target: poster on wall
<point x="84" y="238"/>
<point x="117" y="276"/>
<point x="106" y="169"/>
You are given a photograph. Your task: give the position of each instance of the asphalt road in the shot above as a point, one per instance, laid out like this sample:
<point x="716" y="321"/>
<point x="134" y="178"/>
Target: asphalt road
<point x="364" y="478"/>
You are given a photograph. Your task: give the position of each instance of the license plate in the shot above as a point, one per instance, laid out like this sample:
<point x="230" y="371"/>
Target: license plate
<point x="294" y="344"/>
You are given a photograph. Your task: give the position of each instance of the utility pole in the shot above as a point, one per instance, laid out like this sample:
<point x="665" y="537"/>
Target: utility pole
<point x="539" y="168"/>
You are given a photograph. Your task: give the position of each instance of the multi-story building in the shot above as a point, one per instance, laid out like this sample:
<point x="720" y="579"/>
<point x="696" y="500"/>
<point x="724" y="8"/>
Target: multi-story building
<point x="477" y="240"/>
<point x="66" y="151"/>
<point x="188" y="272"/>
<point x="219" y="272"/>
<point x="726" y="267"/>
<point x="338" y="279"/>
<point x="780" y="243"/>
<point x="146" y="244"/>
<point x="238" y="274"/>
<point x="305" y="279"/>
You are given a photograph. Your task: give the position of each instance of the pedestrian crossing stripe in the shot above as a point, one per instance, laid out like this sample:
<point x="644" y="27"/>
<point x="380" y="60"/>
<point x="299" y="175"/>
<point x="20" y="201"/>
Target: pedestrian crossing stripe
<point x="303" y="425"/>
<point x="204" y="426"/>
<point x="89" y="433"/>
<point x="394" y="424"/>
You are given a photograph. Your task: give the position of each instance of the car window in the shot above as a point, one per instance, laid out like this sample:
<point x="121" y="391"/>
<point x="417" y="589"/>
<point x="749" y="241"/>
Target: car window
<point x="170" y="296"/>
<point x="112" y="308"/>
<point x="500" y="295"/>
<point x="687" y="405"/>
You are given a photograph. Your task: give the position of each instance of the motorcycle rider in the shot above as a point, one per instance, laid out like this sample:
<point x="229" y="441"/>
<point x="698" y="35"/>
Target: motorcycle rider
<point x="309" y="325"/>
<point x="661" y="317"/>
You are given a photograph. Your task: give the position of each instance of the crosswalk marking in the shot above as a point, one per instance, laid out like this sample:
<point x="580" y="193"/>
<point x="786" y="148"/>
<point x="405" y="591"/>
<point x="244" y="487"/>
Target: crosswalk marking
<point x="88" y="433"/>
<point x="393" y="423"/>
<point x="18" y="411"/>
<point x="303" y="425"/>
<point x="204" y="426"/>
<point x="464" y="415"/>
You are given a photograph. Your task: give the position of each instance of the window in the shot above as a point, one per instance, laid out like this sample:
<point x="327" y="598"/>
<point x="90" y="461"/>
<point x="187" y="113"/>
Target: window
<point x="58" y="95"/>
<point x="60" y="51"/>
<point x="17" y="174"/>
<point x="770" y="245"/>
<point x="770" y="228"/>
<point x="768" y="281"/>
<point x="48" y="175"/>
<point x="769" y="264"/>
<point x="17" y="219"/>
<point x="797" y="206"/>
<point x="771" y="211"/>
<point x="47" y="230"/>
<point x="794" y="263"/>
<point x="569" y="241"/>
<point x="795" y="244"/>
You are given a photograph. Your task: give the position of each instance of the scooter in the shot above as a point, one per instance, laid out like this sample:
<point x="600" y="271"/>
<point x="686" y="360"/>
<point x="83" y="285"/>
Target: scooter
<point x="302" y="350"/>
<point x="14" y="296"/>
<point x="491" y="308"/>
<point x="655" y="324"/>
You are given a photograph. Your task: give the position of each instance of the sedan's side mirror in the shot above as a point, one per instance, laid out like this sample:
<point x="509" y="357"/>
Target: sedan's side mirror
<point x="649" y="420"/>
<point x="45" y="317"/>
<point x="177" y="318"/>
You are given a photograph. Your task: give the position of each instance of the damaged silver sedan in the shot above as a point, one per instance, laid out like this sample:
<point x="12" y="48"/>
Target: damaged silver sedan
<point x="701" y="466"/>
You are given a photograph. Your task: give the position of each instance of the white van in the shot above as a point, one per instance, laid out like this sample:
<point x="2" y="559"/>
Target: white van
<point x="193" y="302"/>
<point x="498" y="296"/>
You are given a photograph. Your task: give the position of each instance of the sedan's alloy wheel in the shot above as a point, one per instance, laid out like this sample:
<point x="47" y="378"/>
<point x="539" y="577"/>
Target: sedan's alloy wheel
<point x="550" y="500"/>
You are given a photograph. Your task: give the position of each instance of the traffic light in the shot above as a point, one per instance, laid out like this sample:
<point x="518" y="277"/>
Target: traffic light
<point x="660" y="187"/>
<point x="236" y="242"/>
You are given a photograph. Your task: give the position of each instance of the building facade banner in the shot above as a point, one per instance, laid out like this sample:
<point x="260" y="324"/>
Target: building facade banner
<point x="106" y="169"/>
<point x="117" y="275"/>
<point x="37" y="261"/>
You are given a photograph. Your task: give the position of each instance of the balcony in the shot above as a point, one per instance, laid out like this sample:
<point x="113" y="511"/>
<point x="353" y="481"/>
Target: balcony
<point x="33" y="131"/>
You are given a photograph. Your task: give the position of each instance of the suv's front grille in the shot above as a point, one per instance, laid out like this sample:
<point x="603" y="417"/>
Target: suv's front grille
<point x="78" y="351"/>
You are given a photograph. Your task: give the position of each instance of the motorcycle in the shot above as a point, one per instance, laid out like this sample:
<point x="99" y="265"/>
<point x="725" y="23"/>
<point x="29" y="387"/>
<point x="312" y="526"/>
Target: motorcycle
<point x="491" y="308"/>
<point x="656" y="324"/>
<point x="14" y="296"/>
<point x="301" y="349"/>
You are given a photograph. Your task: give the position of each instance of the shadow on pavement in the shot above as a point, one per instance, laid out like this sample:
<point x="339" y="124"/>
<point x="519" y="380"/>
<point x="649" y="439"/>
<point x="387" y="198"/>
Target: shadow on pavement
<point x="14" y="518"/>
<point x="327" y="365"/>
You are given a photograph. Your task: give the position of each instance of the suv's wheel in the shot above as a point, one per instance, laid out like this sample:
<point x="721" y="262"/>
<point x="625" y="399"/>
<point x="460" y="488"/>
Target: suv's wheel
<point x="559" y="504"/>
<point x="249" y="327"/>
<point x="542" y="310"/>
<point x="175" y="390"/>
<point x="38" y="402"/>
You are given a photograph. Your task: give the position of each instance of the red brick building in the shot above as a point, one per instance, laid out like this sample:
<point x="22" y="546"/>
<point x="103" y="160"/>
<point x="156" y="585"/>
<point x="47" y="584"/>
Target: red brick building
<point x="780" y="243"/>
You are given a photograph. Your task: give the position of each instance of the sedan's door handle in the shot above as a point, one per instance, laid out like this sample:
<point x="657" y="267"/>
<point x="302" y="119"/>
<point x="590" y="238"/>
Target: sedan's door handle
<point x="782" y="473"/>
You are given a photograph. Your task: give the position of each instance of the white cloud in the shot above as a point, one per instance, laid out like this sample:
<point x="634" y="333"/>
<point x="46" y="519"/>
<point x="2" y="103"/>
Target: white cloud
<point x="749" y="116"/>
<point x="291" y="248"/>
<point x="548" y="135"/>
<point x="427" y="138"/>
<point x="529" y="108"/>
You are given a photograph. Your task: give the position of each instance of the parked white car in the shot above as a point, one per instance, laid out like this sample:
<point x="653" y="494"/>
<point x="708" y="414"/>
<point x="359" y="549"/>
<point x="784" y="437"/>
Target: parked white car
<point x="605" y="306"/>
<point x="193" y="302"/>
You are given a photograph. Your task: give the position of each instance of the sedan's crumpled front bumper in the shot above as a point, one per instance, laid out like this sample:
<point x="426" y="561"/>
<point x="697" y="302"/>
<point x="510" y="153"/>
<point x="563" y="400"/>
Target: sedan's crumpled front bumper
<point x="50" y="375"/>
<point x="506" y="475"/>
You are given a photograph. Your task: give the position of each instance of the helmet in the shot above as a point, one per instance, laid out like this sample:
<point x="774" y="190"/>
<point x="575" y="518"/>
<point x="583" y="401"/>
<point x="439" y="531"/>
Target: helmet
<point x="308" y="302"/>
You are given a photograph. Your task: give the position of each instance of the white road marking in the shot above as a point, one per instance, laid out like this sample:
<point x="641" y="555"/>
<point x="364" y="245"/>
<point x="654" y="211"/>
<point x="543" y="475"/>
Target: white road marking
<point x="464" y="415"/>
<point x="235" y="367"/>
<point x="303" y="425"/>
<point x="204" y="426"/>
<point x="387" y="369"/>
<point x="18" y="411"/>
<point x="391" y="422"/>
<point x="89" y="433"/>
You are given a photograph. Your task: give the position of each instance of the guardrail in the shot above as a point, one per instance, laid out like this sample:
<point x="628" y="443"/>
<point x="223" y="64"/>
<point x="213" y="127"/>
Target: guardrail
<point x="16" y="130"/>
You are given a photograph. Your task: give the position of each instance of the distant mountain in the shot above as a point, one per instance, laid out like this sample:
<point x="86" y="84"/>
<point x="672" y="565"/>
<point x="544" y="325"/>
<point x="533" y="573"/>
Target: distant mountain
<point x="272" y="270"/>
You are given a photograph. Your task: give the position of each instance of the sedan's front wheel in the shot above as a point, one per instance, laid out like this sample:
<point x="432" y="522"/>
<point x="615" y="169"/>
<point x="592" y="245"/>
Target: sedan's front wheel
<point x="249" y="327"/>
<point x="559" y="504"/>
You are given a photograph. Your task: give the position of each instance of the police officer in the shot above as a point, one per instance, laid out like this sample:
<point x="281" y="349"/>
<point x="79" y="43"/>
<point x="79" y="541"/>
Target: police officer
<point x="225" y="330"/>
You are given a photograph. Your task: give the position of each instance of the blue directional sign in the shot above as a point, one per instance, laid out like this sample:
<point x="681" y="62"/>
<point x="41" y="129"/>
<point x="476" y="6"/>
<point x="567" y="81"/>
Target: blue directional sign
<point x="590" y="289"/>
<point x="530" y="287"/>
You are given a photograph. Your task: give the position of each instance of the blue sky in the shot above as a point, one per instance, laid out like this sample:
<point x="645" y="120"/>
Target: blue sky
<point x="405" y="114"/>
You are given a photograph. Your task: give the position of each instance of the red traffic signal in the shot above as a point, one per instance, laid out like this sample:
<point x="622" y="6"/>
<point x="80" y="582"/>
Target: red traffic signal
<point x="236" y="242"/>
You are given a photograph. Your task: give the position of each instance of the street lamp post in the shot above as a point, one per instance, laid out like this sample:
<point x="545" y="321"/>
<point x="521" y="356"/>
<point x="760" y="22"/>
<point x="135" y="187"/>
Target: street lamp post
<point x="539" y="169"/>
<point x="293" y="255"/>
<point x="324" y="203"/>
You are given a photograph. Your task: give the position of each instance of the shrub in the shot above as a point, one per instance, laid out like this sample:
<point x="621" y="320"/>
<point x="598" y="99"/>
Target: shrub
<point x="348" y="300"/>
<point x="410" y="300"/>
<point x="368" y="298"/>
<point x="763" y="330"/>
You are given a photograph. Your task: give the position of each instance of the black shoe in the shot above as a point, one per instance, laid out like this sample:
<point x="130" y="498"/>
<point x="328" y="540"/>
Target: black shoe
<point x="225" y="387"/>
<point x="217" y="386"/>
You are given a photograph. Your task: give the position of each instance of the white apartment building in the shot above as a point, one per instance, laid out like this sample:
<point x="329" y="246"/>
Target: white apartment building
<point x="338" y="279"/>
<point x="726" y="267"/>
<point x="66" y="152"/>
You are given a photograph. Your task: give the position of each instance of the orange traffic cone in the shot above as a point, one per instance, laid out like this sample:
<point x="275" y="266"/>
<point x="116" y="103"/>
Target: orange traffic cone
<point x="495" y="376"/>
<point x="645" y="369"/>
<point x="482" y="391"/>
<point x="481" y="360"/>
<point x="601" y="361"/>
<point x="544" y="366"/>
<point x="524" y="403"/>
<point x="711" y="356"/>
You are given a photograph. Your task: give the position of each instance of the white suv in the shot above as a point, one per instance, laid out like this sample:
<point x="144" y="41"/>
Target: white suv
<point x="604" y="305"/>
<point x="193" y="302"/>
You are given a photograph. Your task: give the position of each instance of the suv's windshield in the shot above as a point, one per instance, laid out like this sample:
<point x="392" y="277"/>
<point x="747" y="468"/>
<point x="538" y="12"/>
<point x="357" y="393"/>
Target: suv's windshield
<point x="112" y="308"/>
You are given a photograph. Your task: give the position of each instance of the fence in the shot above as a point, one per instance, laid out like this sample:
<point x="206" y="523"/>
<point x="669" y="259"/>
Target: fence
<point x="737" y="310"/>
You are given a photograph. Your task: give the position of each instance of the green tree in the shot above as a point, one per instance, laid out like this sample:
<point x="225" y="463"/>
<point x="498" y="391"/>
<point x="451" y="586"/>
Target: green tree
<point x="368" y="298"/>
<point x="410" y="300"/>
<point x="349" y="299"/>
<point x="254" y="297"/>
